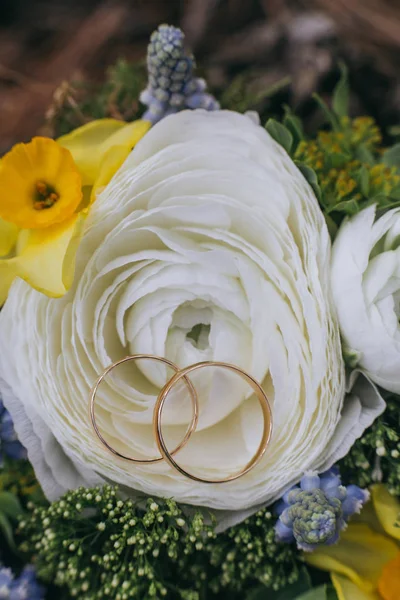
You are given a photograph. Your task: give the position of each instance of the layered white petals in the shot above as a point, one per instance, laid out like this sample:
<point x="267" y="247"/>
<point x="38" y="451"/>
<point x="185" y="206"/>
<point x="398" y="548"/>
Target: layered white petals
<point x="366" y="289"/>
<point x="208" y="244"/>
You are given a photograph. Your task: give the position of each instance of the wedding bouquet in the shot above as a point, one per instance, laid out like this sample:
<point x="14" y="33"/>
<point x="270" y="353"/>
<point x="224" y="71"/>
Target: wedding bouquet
<point x="199" y="238"/>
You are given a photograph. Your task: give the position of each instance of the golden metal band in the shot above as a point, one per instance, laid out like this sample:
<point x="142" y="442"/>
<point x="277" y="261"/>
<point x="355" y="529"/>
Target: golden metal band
<point x="192" y="426"/>
<point x="261" y="396"/>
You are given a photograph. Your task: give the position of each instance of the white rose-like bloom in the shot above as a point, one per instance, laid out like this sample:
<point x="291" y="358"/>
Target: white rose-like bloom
<point x="366" y="289"/>
<point x="208" y="244"/>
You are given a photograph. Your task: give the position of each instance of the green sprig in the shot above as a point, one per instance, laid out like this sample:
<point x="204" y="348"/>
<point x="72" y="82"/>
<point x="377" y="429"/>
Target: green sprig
<point x="100" y="546"/>
<point x="376" y="456"/>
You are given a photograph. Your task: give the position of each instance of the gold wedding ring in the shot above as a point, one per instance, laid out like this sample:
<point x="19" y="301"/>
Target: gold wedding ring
<point x="159" y="406"/>
<point x="261" y="396"/>
<point x="192" y="426"/>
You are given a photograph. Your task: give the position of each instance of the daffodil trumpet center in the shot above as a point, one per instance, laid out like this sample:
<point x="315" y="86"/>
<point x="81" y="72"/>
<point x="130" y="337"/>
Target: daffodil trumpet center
<point x="389" y="583"/>
<point x="45" y="196"/>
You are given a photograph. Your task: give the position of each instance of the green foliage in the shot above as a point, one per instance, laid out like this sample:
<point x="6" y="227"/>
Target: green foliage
<point x="18" y="486"/>
<point x="77" y="103"/>
<point x="290" y="592"/>
<point x="341" y="94"/>
<point x="391" y="157"/>
<point x="346" y="165"/>
<point x="376" y="455"/>
<point x="280" y="133"/>
<point x="245" y="93"/>
<point x="349" y="168"/>
<point x="18" y="478"/>
<point x="10" y="510"/>
<point x="100" y="546"/>
<point x="323" y="592"/>
<point x="301" y="590"/>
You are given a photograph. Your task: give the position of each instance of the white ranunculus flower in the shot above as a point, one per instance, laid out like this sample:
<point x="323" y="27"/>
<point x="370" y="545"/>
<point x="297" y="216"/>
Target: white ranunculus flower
<point x="207" y="244"/>
<point x="366" y="289"/>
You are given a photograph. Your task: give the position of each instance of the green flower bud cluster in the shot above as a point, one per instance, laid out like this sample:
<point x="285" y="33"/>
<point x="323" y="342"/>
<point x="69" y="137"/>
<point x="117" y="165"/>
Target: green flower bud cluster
<point x="100" y="546"/>
<point x="350" y="166"/>
<point x="376" y="456"/>
<point x="250" y="552"/>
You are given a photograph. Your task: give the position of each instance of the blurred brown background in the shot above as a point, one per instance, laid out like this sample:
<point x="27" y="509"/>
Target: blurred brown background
<point x="287" y="48"/>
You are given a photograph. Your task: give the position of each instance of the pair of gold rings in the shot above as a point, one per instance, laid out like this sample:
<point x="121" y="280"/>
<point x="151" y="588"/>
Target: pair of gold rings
<point x="159" y="406"/>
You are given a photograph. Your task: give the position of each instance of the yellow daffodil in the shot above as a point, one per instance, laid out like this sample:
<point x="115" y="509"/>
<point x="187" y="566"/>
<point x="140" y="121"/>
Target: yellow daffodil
<point x="365" y="564"/>
<point x="40" y="185"/>
<point x="46" y="187"/>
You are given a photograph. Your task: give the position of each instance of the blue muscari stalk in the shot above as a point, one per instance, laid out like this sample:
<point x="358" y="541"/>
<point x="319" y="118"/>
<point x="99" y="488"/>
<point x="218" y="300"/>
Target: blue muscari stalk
<point x="171" y="83"/>
<point x="315" y="512"/>
<point x="24" y="587"/>
<point x="9" y="443"/>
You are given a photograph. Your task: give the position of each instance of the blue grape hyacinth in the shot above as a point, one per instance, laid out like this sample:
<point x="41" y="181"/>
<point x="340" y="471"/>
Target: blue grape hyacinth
<point x="9" y="443"/>
<point x="172" y="85"/>
<point x="315" y="512"/>
<point x="24" y="587"/>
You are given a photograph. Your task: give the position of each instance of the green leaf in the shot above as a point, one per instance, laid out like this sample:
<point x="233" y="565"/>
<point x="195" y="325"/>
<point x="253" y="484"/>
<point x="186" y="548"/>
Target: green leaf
<point x="363" y="180"/>
<point x="10" y="505"/>
<point x="319" y="593"/>
<point x="338" y="159"/>
<point x="311" y="176"/>
<point x="394" y="194"/>
<point x="6" y="530"/>
<point x="280" y="134"/>
<point x="363" y="154"/>
<point x="341" y="93"/>
<point x="332" y="226"/>
<point x="331" y="593"/>
<point x="273" y="89"/>
<point x="349" y="207"/>
<point x="295" y="126"/>
<point x="391" y="157"/>
<point x="330" y="116"/>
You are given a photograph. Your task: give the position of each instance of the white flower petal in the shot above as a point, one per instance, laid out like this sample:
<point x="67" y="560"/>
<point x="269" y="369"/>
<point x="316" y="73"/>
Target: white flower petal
<point x="208" y="244"/>
<point x="366" y="291"/>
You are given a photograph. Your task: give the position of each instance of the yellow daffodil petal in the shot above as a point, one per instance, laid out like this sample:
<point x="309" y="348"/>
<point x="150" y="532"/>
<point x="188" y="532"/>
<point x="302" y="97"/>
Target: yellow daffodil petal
<point x="360" y="555"/>
<point x="8" y="237"/>
<point x="84" y="144"/>
<point x="46" y="259"/>
<point x="387" y="509"/>
<point x="89" y="144"/>
<point x="110" y="164"/>
<point x="68" y="266"/>
<point x="389" y="582"/>
<point x="40" y="185"/>
<point x="129" y="135"/>
<point x="8" y="272"/>
<point x="347" y="590"/>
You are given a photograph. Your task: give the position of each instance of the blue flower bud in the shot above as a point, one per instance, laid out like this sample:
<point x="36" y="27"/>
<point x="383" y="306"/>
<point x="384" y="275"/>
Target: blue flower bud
<point x="315" y="512"/>
<point x="23" y="587"/>
<point x="171" y="83"/>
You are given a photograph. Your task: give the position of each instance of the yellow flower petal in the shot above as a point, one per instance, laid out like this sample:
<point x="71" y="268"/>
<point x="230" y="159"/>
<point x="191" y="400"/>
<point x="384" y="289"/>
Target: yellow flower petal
<point x="40" y="185"/>
<point x="46" y="259"/>
<point x="347" y="590"/>
<point x="387" y="509"/>
<point x="129" y="135"/>
<point x="110" y="164"/>
<point x="360" y="555"/>
<point x="8" y="237"/>
<point x="8" y="272"/>
<point x="89" y="144"/>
